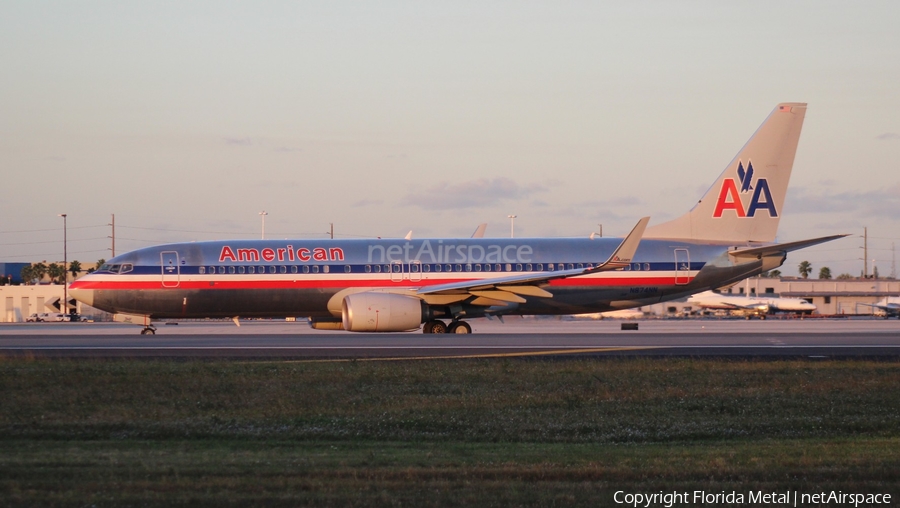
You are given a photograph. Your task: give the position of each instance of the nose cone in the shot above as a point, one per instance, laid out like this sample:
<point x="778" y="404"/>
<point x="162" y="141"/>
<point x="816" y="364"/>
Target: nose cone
<point x="85" y="296"/>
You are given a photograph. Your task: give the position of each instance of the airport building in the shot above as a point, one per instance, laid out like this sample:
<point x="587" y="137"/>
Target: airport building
<point x="830" y="296"/>
<point x="19" y="302"/>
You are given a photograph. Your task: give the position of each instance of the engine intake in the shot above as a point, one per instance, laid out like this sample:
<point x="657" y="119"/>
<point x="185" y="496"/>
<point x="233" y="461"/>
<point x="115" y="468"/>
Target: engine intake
<point x="381" y="312"/>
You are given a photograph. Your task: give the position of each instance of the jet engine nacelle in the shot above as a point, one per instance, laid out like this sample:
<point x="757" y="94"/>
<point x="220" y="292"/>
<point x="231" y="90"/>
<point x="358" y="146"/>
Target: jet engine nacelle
<point x="381" y="312"/>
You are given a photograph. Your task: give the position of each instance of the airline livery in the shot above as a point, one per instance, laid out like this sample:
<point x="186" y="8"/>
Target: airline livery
<point x="399" y="285"/>
<point x="759" y="306"/>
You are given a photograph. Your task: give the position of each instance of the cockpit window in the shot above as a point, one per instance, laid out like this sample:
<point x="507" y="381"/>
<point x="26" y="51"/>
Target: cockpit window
<point x="115" y="268"/>
<point x="127" y="267"/>
<point x="103" y="268"/>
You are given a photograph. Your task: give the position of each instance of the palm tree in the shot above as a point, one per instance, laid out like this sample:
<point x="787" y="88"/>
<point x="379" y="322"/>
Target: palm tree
<point x="100" y="262"/>
<point x="805" y="268"/>
<point x="56" y="272"/>
<point x="38" y="271"/>
<point x="27" y="274"/>
<point x="75" y="268"/>
<point x="775" y="274"/>
<point x="825" y="273"/>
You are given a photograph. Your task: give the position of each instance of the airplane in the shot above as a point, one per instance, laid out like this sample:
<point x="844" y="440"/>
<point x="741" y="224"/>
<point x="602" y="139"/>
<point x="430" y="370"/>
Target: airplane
<point x="612" y="314"/>
<point x="396" y="285"/>
<point x="889" y="307"/>
<point x="751" y="305"/>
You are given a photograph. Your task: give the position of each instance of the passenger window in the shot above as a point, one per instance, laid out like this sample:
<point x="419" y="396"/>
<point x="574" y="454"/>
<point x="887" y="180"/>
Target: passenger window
<point x="413" y="267"/>
<point x="508" y="267"/>
<point x="477" y="267"/>
<point x="468" y="267"/>
<point x="498" y="268"/>
<point x="487" y="267"/>
<point x="518" y="267"/>
<point x="315" y="269"/>
<point x="368" y="268"/>
<point x="221" y="269"/>
<point x="202" y="270"/>
<point x="528" y="267"/>
<point x="271" y="269"/>
<point x="458" y="268"/>
<point x="262" y="269"/>
<point x="580" y="265"/>
<point x="387" y="268"/>
<point x="283" y="269"/>
<point x="305" y="268"/>
<point x="212" y="269"/>
<point x="231" y="269"/>
<point x="539" y="267"/>
<point x="346" y="268"/>
<point x="637" y="267"/>
<point x="437" y="268"/>
<point x="251" y="269"/>
<point x="241" y="269"/>
<point x="570" y="266"/>
<point x="646" y="266"/>
<point x="377" y="268"/>
<point x="426" y="268"/>
<point x="326" y="269"/>
<point x="293" y="268"/>
<point x="448" y="268"/>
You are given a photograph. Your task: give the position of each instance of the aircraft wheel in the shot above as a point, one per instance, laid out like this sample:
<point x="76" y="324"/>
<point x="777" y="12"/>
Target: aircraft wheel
<point x="148" y="331"/>
<point x="459" y="327"/>
<point x="434" y="326"/>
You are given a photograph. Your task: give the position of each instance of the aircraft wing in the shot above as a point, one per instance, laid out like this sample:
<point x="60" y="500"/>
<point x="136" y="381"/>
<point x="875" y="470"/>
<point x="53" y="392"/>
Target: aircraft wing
<point x="888" y="307"/>
<point x="781" y="248"/>
<point x="502" y="290"/>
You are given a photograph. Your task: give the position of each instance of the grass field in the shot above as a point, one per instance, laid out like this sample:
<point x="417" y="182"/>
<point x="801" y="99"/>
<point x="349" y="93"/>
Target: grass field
<point x="438" y="433"/>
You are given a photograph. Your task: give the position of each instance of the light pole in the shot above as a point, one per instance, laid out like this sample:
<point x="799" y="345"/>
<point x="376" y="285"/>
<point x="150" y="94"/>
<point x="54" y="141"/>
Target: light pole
<point x="64" y="308"/>
<point x="512" y="222"/>
<point x="263" y="215"/>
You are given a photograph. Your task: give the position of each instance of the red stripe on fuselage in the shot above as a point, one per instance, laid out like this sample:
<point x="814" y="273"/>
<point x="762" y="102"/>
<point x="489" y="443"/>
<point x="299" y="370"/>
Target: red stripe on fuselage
<point x="212" y="284"/>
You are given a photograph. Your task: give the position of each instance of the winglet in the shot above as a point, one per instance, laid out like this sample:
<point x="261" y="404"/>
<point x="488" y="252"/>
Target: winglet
<point x="408" y="235"/>
<point x="623" y="254"/>
<point x="479" y="231"/>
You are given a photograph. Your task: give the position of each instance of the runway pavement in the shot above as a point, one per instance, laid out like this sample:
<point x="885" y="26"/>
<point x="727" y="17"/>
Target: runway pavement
<point x="514" y="337"/>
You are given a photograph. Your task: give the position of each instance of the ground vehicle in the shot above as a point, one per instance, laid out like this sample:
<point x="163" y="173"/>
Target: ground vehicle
<point x="47" y="317"/>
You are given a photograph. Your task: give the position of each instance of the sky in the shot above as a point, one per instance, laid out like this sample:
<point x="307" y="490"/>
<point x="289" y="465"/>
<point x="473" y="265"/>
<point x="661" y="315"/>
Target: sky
<point x="187" y="119"/>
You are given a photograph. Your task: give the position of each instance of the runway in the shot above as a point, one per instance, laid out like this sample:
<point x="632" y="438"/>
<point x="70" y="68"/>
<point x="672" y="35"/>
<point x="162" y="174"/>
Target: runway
<point x="514" y="338"/>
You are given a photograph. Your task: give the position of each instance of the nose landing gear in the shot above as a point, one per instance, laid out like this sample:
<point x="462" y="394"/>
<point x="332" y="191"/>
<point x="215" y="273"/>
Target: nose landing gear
<point x="149" y="330"/>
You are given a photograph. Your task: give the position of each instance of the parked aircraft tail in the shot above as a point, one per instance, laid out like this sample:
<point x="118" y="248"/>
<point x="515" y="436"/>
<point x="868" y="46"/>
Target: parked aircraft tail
<point x="745" y="203"/>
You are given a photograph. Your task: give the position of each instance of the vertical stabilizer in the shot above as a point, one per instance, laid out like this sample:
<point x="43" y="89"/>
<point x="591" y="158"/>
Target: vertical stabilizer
<point x="745" y="203"/>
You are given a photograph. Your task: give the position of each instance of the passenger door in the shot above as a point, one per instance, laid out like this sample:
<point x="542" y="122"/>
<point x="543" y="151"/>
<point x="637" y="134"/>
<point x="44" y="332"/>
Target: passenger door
<point x="171" y="270"/>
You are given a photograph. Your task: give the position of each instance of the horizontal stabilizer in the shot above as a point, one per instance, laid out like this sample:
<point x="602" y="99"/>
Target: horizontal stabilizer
<point x="758" y="252"/>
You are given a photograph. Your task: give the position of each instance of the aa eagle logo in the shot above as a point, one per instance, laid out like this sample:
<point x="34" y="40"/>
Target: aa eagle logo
<point x="730" y="197"/>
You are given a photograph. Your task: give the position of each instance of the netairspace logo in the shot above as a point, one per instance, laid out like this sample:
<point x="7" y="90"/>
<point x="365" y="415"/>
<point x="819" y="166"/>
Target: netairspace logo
<point x="755" y="497"/>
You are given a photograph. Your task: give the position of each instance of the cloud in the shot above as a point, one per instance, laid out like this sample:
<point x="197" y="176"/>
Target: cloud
<point x="368" y="202"/>
<point x="238" y="141"/>
<point x="285" y="149"/>
<point x="882" y="202"/>
<point x="888" y="136"/>
<point x="472" y="194"/>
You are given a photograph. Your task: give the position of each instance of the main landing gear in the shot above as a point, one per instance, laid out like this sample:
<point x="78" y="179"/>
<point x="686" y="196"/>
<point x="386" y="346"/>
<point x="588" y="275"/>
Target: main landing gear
<point x="149" y="330"/>
<point x="437" y="326"/>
